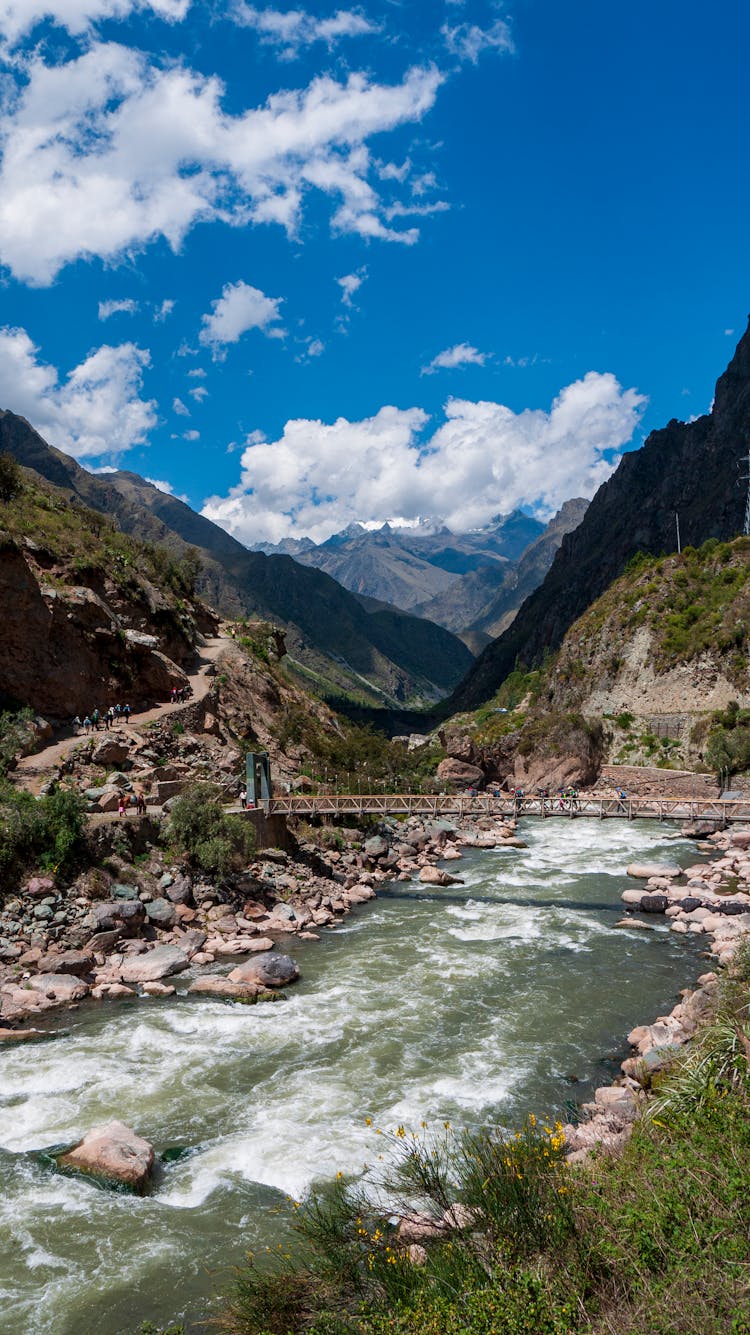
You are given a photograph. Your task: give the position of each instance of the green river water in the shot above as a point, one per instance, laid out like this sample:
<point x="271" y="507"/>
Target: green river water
<point x="473" y="1004"/>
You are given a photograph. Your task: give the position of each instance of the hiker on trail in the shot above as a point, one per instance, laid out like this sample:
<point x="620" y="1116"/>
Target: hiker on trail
<point x="121" y="805"/>
<point x="243" y="798"/>
<point x="117" y="710"/>
<point x="126" y="712"/>
<point x="141" y="802"/>
<point x="173" y="695"/>
<point x="95" y="718"/>
<point x="87" y="725"/>
<point x="77" y="724"/>
<point x="621" y="796"/>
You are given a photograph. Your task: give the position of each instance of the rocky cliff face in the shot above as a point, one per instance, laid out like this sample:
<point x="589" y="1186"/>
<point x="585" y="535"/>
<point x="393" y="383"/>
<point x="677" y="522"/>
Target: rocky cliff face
<point x="87" y="619"/>
<point x="687" y="468"/>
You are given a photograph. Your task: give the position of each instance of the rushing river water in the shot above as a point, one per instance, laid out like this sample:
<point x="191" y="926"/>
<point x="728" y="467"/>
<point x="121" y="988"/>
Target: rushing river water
<point x="473" y="1004"/>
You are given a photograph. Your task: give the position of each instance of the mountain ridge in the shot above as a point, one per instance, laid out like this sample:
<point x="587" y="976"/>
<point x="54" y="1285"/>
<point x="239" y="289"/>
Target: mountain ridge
<point x="332" y="637"/>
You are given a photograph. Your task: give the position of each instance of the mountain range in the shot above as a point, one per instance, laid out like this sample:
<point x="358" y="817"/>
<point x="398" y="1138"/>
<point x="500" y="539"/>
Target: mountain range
<point x="378" y="655"/>
<point x="471" y="583"/>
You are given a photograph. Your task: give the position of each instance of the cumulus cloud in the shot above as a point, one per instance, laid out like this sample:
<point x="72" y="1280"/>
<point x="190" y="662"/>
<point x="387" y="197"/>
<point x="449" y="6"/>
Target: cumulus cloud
<point x="19" y="17"/>
<point x="199" y="393"/>
<point x="482" y="458"/>
<point x="468" y="41"/>
<point x="292" y="30"/>
<point x="96" y="410"/>
<point x="350" y="285"/>
<point x="109" y="151"/>
<point x="239" y="308"/>
<point x="166" y="308"/>
<point x="109" y="308"/>
<point x="461" y="354"/>
<point x="180" y="408"/>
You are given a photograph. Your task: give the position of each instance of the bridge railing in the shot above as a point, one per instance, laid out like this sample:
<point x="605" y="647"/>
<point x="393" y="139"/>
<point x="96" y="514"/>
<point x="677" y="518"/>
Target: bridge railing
<point x="722" y="810"/>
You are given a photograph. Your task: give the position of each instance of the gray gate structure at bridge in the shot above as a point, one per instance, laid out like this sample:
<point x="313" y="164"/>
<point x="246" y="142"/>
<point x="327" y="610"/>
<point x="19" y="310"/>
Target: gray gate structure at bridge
<point x="722" y="811"/>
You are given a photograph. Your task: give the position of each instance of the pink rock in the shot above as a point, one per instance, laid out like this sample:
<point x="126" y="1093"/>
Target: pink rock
<point x="113" y="1151"/>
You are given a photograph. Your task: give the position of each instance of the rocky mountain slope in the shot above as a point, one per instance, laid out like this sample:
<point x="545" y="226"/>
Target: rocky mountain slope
<point x="692" y="469"/>
<point x="336" y="642"/>
<point x="90" y="617"/>
<point x="482" y="603"/>
<point x="406" y="566"/>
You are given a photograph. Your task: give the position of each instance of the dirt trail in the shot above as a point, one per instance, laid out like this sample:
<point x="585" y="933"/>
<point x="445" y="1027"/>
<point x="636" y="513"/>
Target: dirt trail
<point x="33" y="770"/>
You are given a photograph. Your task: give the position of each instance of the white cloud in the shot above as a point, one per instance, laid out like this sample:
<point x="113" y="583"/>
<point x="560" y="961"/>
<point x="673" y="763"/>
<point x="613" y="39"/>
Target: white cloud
<point x="198" y="373"/>
<point x="199" y="393"/>
<point x="125" y="307"/>
<point x="107" y="152"/>
<point x="292" y="30"/>
<point x="97" y="410"/>
<point x="180" y="408"/>
<point x="467" y="41"/>
<point x="191" y="435"/>
<point x="238" y="309"/>
<point x="166" y="308"/>
<point x="19" y="17"/>
<point x="729" y="332"/>
<point x="483" y="458"/>
<point x="313" y="347"/>
<point x="350" y="284"/>
<point x="167" y="487"/>
<point x="461" y="354"/>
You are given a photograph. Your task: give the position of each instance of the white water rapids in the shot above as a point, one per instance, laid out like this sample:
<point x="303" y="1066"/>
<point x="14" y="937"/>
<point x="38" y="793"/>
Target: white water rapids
<point x="472" y="1004"/>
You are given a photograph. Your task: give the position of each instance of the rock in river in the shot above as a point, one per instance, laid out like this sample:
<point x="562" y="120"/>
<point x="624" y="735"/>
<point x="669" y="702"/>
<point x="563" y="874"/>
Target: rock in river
<point x="113" y="1151"/>
<point x="644" y="870"/>
<point x="155" y="964"/>
<point x="269" y="970"/>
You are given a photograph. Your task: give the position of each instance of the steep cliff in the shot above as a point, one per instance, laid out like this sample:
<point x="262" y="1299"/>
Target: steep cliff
<point x="691" y="469"/>
<point x="89" y="617"/>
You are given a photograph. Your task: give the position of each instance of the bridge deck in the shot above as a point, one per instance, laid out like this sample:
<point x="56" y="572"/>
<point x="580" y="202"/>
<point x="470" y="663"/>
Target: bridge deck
<point x="722" y="810"/>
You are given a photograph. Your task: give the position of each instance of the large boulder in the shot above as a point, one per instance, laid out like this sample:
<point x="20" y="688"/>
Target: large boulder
<point x="110" y="752"/>
<point x="643" y="871"/>
<point x="436" y="876"/>
<point x="161" y="912"/>
<point x="59" y="988"/>
<point x="269" y="970"/>
<point x="158" y="963"/>
<point x="460" y="774"/>
<point x="115" y="1152"/>
<point x="214" y="985"/>
<point x="77" y="962"/>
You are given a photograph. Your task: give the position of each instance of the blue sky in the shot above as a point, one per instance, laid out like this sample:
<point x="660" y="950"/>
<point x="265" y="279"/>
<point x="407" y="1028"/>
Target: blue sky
<point x="311" y="263"/>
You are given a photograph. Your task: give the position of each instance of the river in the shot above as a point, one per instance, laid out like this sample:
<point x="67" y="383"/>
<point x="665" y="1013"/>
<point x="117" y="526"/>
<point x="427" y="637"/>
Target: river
<point x="473" y="1004"/>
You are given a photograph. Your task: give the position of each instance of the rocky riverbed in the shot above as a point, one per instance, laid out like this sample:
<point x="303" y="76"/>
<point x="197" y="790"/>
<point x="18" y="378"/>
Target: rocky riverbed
<point x="128" y="927"/>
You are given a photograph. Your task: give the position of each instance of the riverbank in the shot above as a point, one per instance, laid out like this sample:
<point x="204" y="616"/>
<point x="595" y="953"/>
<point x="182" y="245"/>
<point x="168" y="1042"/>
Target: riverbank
<point x="136" y="921"/>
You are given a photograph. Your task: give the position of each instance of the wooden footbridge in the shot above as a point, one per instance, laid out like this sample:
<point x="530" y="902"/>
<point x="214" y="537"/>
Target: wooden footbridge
<point x="722" y="811"/>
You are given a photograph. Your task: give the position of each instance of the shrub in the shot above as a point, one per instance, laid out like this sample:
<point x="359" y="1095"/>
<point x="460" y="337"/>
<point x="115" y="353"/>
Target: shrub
<point x="11" y="481"/>
<point x="213" y="842"/>
<point x="48" y="832"/>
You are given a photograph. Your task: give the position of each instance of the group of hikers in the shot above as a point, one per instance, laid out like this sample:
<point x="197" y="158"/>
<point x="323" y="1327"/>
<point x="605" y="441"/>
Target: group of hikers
<point x="95" y="721"/>
<point x="179" y="694"/>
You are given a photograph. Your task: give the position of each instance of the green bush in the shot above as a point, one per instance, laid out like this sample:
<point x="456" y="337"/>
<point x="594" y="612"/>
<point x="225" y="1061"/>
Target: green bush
<point x="11" y="481"/>
<point x="213" y="842"/>
<point x="47" y="832"/>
